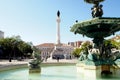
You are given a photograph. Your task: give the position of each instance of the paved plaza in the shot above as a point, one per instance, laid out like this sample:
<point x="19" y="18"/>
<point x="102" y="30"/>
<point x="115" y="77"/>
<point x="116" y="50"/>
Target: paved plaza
<point x="6" y="63"/>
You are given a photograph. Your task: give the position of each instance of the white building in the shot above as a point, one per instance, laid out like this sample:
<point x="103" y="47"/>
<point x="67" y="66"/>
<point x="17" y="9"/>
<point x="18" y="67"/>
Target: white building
<point x="50" y="50"/>
<point x="1" y="34"/>
<point x="63" y="52"/>
<point x="46" y="49"/>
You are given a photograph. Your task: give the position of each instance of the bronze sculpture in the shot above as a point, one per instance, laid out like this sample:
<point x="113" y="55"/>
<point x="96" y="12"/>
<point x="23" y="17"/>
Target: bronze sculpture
<point x="97" y="8"/>
<point x="98" y="28"/>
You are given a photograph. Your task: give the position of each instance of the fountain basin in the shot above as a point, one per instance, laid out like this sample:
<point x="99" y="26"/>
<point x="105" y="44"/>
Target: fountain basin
<point x="99" y="27"/>
<point x="11" y="66"/>
<point x="49" y="71"/>
<point x="55" y="71"/>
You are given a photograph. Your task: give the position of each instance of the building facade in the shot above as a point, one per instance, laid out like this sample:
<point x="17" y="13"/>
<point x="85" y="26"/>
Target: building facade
<point x="46" y="49"/>
<point x="50" y="50"/>
<point x="1" y="34"/>
<point x="62" y="52"/>
<point x="75" y="44"/>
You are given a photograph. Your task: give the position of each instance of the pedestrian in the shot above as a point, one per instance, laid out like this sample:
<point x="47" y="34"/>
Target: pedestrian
<point x="57" y="59"/>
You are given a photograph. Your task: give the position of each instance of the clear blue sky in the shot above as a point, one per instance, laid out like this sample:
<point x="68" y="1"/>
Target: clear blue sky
<point x="35" y="20"/>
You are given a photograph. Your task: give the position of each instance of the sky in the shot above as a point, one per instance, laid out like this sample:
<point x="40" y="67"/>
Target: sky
<point x="35" y="20"/>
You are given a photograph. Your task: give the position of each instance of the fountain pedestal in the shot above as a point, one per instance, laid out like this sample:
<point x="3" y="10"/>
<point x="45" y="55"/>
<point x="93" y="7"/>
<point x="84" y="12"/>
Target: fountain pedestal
<point x="97" y="71"/>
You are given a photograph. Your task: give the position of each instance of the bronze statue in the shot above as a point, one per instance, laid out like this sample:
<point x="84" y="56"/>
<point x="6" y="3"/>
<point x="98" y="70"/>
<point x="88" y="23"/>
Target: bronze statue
<point x="58" y="13"/>
<point x="97" y="11"/>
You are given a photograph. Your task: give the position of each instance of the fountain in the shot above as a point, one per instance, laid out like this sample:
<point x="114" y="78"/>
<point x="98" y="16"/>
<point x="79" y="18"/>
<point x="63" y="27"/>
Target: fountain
<point x="34" y="65"/>
<point x="100" y="58"/>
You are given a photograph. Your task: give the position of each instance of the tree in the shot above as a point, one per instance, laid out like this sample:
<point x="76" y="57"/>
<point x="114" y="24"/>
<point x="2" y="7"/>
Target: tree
<point x="14" y="47"/>
<point x="114" y="43"/>
<point x="25" y="48"/>
<point x="76" y="52"/>
<point x="8" y="45"/>
<point x="83" y="48"/>
<point x="85" y="45"/>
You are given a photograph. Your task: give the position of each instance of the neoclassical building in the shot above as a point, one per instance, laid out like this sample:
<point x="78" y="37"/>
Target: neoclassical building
<point x="46" y="49"/>
<point x="62" y="52"/>
<point x="50" y="50"/>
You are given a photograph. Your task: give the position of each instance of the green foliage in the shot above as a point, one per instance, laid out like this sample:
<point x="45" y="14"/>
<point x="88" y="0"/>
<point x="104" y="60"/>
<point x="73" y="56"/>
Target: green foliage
<point x="36" y="50"/>
<point x="24" y="47"/>
<point x="76" y="52"/>
<point x="84" y="48"/>
<point x="114" y="44"/>
<point x="14" y="47"/>
<point x="85" y="45"/>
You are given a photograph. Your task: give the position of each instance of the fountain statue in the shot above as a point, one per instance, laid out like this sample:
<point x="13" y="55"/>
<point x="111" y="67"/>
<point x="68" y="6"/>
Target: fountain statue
<point x="34" y="65"/>
<point x="99" y="57"/>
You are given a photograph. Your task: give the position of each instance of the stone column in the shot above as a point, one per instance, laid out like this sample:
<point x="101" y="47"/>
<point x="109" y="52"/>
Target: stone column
<point x="58" y="27"/>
